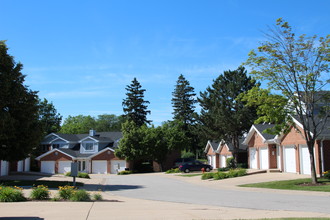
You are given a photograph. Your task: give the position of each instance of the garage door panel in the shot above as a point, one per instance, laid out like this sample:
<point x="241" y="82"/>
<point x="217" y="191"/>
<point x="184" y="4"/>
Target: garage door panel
<point x="305" y="164"/>
<point x="253" y="158"/>
<point x="99" y="167"/>
<point x="48" y="167"/>
<point x="117" y="165"/>
<point x="289" y="159"/>
<point x="64" y="166"/>
<point x="264" y="159"/>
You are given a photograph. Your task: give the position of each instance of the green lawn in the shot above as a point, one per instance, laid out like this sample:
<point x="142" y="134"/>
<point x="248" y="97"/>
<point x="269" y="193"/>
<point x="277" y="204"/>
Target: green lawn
<point x="297" y="184"/>
<point x="50" y="184"/>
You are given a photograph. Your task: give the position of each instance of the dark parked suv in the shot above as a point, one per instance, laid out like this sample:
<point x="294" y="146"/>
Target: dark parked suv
<point x="194" y="166"/>
<point x="181" y="161"/>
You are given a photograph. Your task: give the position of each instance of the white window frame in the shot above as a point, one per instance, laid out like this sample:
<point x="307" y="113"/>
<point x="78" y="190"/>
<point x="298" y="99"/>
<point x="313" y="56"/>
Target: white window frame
<point x="89" y="143"/>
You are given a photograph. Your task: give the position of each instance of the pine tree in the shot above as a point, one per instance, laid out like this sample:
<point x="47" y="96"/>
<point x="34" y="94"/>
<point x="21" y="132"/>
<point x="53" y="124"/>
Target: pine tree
<point x="19" y="126"/>
<point x="134" y="106"/>
<point x="184" y="101"/>
<point x="223" y="115"/>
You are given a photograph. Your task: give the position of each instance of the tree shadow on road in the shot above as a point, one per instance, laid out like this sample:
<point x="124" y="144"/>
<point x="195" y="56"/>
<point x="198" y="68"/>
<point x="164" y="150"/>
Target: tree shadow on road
<point x="121" y="187"/>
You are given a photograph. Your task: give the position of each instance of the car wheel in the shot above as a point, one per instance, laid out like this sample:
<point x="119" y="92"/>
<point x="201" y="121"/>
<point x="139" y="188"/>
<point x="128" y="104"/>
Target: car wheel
<point x="186" y="170"/>
<point x="207" y="169"/>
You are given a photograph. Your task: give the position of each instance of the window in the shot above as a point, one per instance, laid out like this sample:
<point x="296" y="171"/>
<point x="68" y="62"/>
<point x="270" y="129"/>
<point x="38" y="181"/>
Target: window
<point x="89" y="146"/>
<point x="56" y="146"/>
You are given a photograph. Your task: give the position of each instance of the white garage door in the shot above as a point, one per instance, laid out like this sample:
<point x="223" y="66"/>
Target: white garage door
<point x="64" y="166"/>
<point x="48" y="167"/>
<point x="20" y="166"/>
<point x="264" y="160"/>
<point x="253" y="158"/>
<point x="289" y="159"/>
<point x="214" y="163"/>
<point x="4" y="168"/>
<point x="223" y="161"/>
<point x="99" y="166"/>
<point x="305" y="165"/>
<point x="119" y="165"/>
<point x="27" y="164"/>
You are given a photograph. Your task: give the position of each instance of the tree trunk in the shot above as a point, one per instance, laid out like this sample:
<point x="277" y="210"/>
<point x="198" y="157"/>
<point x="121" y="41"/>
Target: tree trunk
<point x="312" y="160"/>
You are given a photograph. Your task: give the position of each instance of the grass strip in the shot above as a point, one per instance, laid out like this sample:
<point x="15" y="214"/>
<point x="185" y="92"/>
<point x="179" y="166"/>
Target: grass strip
<point x="297" y="184"/>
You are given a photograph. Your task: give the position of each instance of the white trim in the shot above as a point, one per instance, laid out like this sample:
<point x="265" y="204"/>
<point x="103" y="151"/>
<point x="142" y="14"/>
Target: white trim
<point x="49" y="152"/>
<point x="105" y="149"/>
<point x="250" y="134"/>
<point x="88" y="137"/>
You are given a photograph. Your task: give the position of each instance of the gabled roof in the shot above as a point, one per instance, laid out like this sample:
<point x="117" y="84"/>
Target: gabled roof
<point x="58" y="150"/>
<point x="241" y="147"/>
<point x="325" y="133"/>
<point x="213" y="144"/>
<point x="99" y="137"/>
<point x="260" y="129"/>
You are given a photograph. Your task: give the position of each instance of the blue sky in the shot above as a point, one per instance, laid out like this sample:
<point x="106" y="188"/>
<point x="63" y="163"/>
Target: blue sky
<point x="81" y="55"/>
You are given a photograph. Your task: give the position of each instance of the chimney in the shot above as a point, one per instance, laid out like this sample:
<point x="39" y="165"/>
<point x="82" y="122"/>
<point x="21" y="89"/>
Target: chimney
<point x="92" y="132"/>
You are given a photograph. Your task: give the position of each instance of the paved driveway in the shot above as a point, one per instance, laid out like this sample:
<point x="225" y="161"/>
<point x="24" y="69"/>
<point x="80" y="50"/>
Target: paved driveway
<point x="161" y="188"/>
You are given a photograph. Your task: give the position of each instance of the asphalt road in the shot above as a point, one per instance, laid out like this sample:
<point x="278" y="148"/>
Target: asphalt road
<point x="161" y="188"/>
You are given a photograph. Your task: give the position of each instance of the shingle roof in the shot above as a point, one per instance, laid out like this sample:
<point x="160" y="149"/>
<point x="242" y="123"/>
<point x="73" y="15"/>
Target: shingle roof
<point x="242" y="147"/>
<point x="214" y="145"/>
<point x="262" y="127"/>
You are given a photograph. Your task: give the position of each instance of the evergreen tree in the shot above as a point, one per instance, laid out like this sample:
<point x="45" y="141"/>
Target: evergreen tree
<point x="184" y="101"/>
<point x="19" y="126"/>
<point x="49" y="119"/>
<point x="134" y="106"/>
<point x="223" y="115"/>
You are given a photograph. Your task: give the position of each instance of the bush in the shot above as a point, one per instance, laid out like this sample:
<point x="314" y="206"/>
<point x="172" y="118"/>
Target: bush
<point x="124" y="172"/>
<point x="223" y="169"/>
<point x="241" y="172"/>
<point x="80" y="175"/>
<point x="326" y="174"/>
<point x="11" y="194"/>
<point x="97" y="197"/>
<point x="187" y="154"/>
<point x="220" y="176"/>
<point x="242" y="165"/>
<point x="176" y="170"/>
<point x="83" y="175"/>
<point x="206" y="176"/>
<point x="230" y="162"/>
<point x="232" y="173"/>
<point x="40" y="192"/>
<point x="80" y="196"/>
<point x="65" y="192"/>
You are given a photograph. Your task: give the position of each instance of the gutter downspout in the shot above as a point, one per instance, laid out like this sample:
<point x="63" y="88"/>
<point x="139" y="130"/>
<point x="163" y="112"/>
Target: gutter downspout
<point x="322" y="157"/>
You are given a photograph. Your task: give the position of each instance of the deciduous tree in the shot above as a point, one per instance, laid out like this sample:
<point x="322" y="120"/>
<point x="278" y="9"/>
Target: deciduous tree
<point x="19" y="127"/>
<point x="49" y="119"/>
<point x="298" y="66"/>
